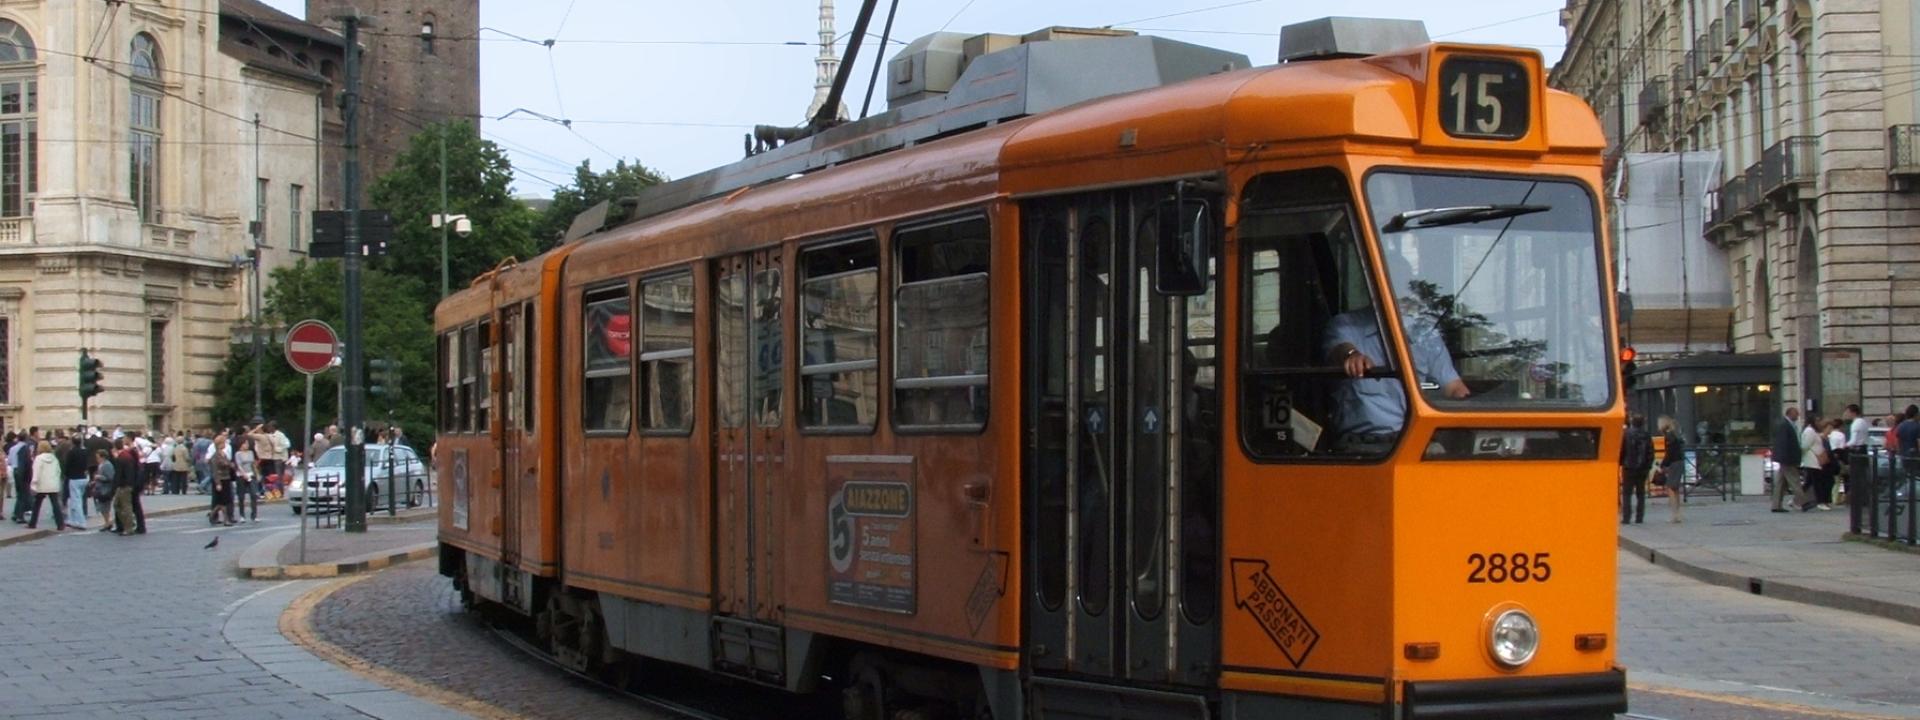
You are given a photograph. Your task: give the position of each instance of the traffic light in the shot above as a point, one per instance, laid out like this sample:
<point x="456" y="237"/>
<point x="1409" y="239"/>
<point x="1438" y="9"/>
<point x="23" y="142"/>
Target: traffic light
<point x="1627" y="367"/>
<point x="89" y="375"/>
<point x="384" y="375"/>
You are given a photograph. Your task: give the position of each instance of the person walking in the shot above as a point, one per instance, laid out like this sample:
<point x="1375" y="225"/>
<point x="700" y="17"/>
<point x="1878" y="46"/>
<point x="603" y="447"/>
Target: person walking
<point x="245" y="478"/>
<point x="202" y="472"/>
<point x="101" y="489"/>
<point x="20" y="458"/>
<point x="48" y="482"/>
<point x="73" y="465"/>
<point x="1673" y="466"/>
<point x="150" y="470"/>
<point x="125" y="487"/>
<point x="180" y="462"/>
<point x="1813" y="459"/>
<point x="1636" y="461"/>
<point x="129" y="460"/>
<point x="1786" y="458"/>
<point x="1838" y="452"/>
<point x="224" y="478"/>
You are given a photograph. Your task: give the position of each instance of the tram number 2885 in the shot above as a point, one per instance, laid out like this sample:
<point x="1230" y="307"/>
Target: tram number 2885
<point x="1504" y="567"/>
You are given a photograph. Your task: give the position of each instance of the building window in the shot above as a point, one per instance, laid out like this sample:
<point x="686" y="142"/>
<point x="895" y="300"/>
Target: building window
<point x="260" y="211"/>
<point x="426" y="36"/>
<point x="143" y="129"/>
<point x="839" y="335"/>
<point x="157" y="361"/>
<point x="940" y="326"/>
<point x="294" y="200"/>
<point x="666" y="353"/>
<point x="19" y="126"/>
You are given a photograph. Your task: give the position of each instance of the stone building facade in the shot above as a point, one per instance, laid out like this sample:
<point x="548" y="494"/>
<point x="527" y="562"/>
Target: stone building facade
<point x="1812" y="110"/>
<point x="152" y="158"/>
<point x="422" y="67"/>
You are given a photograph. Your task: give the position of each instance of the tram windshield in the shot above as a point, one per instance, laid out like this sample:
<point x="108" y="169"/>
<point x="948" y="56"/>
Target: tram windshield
<point x="1505" y="273"/>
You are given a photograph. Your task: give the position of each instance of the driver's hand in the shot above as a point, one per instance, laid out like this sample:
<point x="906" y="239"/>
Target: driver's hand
<point x="1357" y="365"/>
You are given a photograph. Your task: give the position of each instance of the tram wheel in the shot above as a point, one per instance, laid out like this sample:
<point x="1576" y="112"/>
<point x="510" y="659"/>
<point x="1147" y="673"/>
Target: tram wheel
<point x="865" y="697"/>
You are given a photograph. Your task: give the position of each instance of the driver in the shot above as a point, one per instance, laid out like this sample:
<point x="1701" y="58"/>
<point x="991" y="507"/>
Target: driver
<point x="1373" y="410"/>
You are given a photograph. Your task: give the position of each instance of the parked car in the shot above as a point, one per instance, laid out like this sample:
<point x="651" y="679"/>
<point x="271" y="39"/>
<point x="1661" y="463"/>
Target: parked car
<point x="322" y="479"/>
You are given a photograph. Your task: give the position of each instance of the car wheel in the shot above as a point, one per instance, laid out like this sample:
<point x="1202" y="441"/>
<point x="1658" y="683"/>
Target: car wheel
<point x="296" y="509"/>
<point x="373" y="496"/>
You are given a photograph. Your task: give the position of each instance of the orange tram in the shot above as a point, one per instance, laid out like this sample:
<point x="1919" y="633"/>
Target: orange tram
<point x="1072" y="389"/>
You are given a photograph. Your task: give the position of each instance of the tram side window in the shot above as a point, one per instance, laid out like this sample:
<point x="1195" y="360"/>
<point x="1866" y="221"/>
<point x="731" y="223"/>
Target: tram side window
<point x="839" y="335"/>
<point x="483" y="383"/>
<point x="448" y="371"/>
<point x="666" y="354"/>
<point x="940" y="318"/>
<point x="609" y="348"/>
<point x="527" y="345"/>
<point x="469" y="376"/>
<point x="1307" y="290"/>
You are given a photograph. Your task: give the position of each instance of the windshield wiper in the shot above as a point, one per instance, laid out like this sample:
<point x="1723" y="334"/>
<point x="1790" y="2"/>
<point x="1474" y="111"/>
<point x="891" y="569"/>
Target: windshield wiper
<point x="1436" y="217"/>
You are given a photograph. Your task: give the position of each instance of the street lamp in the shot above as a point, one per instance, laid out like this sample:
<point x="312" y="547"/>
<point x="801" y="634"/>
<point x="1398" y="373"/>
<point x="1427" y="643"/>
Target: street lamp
<point x="460" y="224"/>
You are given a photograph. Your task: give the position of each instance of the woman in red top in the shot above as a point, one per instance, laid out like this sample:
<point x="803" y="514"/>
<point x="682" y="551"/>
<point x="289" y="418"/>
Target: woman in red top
<point x="1892" y="439"/>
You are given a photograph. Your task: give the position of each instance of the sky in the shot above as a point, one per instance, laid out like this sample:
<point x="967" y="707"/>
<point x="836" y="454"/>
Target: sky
<point x="675" y="86"/>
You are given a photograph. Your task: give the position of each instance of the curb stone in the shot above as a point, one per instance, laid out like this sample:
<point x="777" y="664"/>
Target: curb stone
<point x="1776" y="589"/>
<point x="349" y="566"/>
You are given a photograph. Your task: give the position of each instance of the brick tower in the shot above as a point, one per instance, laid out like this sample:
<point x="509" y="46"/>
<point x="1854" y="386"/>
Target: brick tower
<point x="422" y="66"/>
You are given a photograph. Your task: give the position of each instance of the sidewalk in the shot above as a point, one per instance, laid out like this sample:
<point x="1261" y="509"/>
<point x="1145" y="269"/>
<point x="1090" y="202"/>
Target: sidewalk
<point x="331" y="551"/>
<point x="1801" y="557"/>
<point x="154" y="505"/>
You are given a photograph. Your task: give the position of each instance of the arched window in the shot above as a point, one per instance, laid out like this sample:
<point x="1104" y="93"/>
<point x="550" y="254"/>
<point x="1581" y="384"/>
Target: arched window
<point x="143" y="128"/>
<point x="19" y="122"/>
<point x="426" y="34"/>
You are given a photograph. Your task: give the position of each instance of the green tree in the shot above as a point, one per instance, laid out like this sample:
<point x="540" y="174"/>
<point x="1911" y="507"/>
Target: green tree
<point x="478" y="180"/>
<point x="395" y="326"/>
<point x="588" y="189"/>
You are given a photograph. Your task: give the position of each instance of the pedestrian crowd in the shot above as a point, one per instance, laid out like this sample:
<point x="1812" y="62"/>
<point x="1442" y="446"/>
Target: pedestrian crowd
<point x="1810" y="454"/>
<point x="76" y="470"/>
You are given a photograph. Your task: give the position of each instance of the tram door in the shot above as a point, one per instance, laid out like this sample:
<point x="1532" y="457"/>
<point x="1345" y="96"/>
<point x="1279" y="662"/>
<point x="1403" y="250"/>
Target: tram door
<point x="749" y="456"/>
<point x="503" y="385"/>
<point x="1122" y="446"/>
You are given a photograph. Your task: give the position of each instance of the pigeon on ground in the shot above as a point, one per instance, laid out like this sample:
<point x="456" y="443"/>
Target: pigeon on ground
<point x="215" y="543"/>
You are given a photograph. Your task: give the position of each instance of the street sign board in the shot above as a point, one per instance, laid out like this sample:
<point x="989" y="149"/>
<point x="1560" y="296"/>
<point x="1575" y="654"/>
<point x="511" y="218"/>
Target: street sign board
<point x="330" y="233"/>
<point x="311" y="345"/>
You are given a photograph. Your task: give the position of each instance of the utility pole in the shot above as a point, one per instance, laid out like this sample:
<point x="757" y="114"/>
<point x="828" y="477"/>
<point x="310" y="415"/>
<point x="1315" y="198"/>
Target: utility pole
<point x="256" y="228"/>
<point x="353" y="385"/>
<point x="443" y="211"/>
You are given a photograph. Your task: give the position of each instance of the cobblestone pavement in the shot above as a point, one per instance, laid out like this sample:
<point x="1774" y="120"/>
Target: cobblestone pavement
<point x="101" y="626"/>
<point x="1703" y="640"/>
<point x="387" y="620"/>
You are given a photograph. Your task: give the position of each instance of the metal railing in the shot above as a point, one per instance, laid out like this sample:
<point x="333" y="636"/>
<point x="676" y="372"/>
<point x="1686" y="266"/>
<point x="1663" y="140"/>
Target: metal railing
<point x="1882" y="491"/>
<point x="1787" y="163"/>
<point x="1653" y="100"/>
<point x="1733" y="201"/>
<point x="1715" y="470"/>
<point x="1903" y="150"/>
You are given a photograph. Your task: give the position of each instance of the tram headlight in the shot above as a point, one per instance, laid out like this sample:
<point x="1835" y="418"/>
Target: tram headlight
<point x="1513" y="638"/>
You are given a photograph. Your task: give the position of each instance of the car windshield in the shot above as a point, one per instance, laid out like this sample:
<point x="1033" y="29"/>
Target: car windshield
<point x="1514" y="296"/>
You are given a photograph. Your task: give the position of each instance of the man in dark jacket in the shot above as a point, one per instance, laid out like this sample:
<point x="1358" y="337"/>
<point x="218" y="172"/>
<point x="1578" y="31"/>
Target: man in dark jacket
<point x="1636" y="462"/>
<point x="1786" y="456"/>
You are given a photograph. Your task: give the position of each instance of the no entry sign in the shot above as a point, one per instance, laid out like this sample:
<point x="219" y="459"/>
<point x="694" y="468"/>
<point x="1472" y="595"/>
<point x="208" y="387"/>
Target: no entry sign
<point x="310" y="346"/>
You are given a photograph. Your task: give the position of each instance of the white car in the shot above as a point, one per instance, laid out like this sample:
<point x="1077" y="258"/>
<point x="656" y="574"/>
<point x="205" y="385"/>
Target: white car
<point x="323" y="478"/>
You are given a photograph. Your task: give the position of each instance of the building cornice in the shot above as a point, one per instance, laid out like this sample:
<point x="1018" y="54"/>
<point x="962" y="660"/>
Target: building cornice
<point x="114" y="250"/>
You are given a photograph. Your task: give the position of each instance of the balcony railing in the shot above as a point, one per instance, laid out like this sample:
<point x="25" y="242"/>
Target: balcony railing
<point x="1789" y="163"/>
<point x="16" y="231"/>
<point x="1733" y="201"/>
<point x="1717" y="39"/>
<point x="1653" y="100"/>
<point x="1750" y="199"/>
<point x="1903" y="150"/>
<point x="1749" y="13"/>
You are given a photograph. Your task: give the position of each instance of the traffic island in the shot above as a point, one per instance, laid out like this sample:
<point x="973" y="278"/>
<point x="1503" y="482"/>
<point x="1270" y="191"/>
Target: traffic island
<point x="331" y="552"/>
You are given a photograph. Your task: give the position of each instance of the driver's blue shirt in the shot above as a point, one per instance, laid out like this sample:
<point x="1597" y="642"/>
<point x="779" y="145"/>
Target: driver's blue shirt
<point x="1378" y="406"/>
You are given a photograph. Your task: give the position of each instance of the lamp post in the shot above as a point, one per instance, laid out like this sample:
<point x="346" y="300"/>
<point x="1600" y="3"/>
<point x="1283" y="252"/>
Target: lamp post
<point x="443" y="222"/>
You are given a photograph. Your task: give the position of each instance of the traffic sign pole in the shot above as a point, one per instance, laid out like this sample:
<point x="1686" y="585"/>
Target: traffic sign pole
<point x="310" y="347"/>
